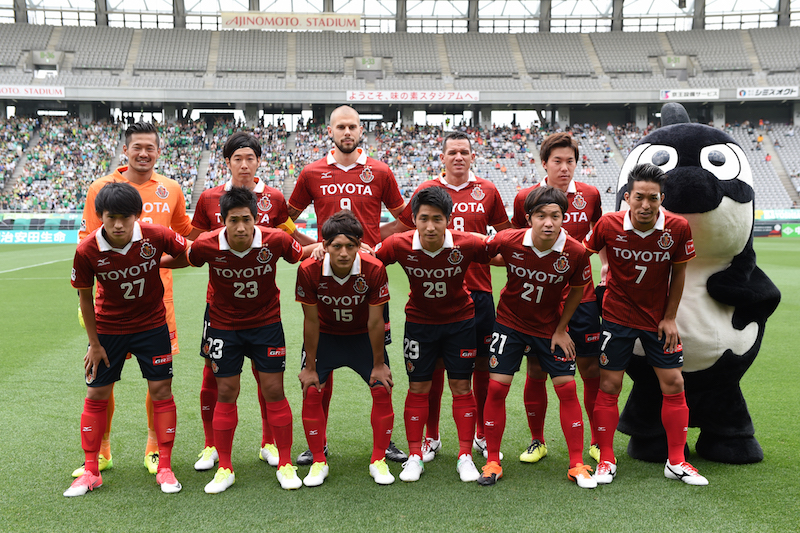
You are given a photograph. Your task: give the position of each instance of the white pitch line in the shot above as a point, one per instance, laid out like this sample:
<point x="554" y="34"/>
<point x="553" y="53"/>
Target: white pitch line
<point x="33" y="266"/>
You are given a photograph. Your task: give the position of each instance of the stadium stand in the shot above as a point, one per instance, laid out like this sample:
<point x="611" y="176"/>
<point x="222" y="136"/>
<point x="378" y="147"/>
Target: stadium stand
<point x="778" y="49"/>
<point x="489" y="84"/>
<point x="81" y="80"/>
<point x="424" y="84"/>
<point x="324" y="52"/>
<point x="15" y="77"/>
<point x="769" y="190"/>
<point x="544" y="53"/>
<point x="15" y="134"/>
<point x="330" y="84"/>
<point x="567" y="84"/>
<point x="626" y="51"/>
<point x="480" y="54"/>
<point x="714" y="49"/>
<point x="654" y="82"/>
<point x="250" y="84"/>
<point x="97" y="47"/>
<point x="789" y="149"/>
<point x="182" y="149"/>
<point x="18" y="38"/>
<point x="168" y="82"/>
<point x="252" y="51"/>
<point x="733" y="82"/>
<point x="411" y="53"/>
<point x="174" y="49"/>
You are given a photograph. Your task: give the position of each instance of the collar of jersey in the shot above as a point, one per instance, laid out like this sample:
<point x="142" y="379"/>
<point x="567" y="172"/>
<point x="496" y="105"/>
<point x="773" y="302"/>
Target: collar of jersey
<point x="104" y="246"/>
<point x="416" y="244"/>
<point x="328" y="271"/>
<point x="627" y="225"/>
<point x="153" y="175"/>
<point x="558" y="246"/>
<point x="259" y="188"/>
<point x="470" y="179"/>
<point x="224" y="246"/>
<point x="571" y="188"/>
<point x="362" y="160"/>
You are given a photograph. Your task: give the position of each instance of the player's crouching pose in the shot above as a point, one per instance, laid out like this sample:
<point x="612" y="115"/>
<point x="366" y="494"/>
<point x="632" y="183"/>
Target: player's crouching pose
<point x="647" y="250"/>
<point x="541" y="263"/>
<point x="343" y="298"/>
<point x="244" y="320"/>
<point x="129" y="316"/>
<point x="440" y="321"/>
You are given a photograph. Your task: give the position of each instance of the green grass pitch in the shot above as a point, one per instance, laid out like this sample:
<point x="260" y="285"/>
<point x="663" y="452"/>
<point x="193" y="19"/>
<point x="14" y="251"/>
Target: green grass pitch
<point x="42" y="393"/>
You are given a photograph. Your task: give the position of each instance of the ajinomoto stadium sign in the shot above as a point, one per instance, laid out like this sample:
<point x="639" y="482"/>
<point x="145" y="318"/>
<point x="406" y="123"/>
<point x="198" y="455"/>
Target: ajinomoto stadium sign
<point x="254" y="20"/>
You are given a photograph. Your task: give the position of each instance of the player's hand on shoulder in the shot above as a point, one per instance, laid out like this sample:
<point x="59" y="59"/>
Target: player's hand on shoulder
<point x="92" y="359"/>
<point x="308" y="378"/>
<point x="365" y="248"/>
<point x="383" y="375"/>
<point x="564" y="341"/>
<point x="318" y="253"/>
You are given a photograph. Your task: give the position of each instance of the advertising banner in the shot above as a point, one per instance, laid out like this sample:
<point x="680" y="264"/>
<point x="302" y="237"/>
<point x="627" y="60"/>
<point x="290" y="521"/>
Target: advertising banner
<point x="255" y="20"/>
<point x="413" y="96"/>
<point x="42" y="92"/>
<point x="690" y="94"/>
<point x="749" y="93"/>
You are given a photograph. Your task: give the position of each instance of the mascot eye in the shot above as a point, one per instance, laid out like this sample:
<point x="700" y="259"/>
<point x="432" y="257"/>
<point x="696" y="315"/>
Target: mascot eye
<point x="720" y="160"/>
<point x="662" y="156"/>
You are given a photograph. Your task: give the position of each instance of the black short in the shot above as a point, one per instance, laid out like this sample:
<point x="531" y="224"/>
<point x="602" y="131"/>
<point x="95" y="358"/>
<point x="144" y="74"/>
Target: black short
<point x="585" y="330"/>
<point x="509" y="346"/>
<point x="423" y="344"/>
<point x="387" y="326"/>
<point x="227" y="349"/>
<point x="152" y="348"/>
<point x="336" y="351"/>
<point x="484" y="321"/>
<point x="617" y="348"/>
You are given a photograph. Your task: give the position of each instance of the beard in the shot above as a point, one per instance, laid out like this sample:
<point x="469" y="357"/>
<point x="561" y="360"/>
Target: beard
<point x="346" y="150"/>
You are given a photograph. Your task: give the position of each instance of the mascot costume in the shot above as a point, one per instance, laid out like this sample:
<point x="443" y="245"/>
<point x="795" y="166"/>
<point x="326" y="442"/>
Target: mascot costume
<point x="726" y="300"/>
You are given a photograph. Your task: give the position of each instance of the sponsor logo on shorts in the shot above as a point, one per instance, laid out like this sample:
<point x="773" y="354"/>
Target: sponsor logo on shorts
<point x="665" y="242"/>
<point x="276" y="352"/>
<point x="578" y="202"/>
<point x="387" y="327"/>
<point x="603" y="359"/>
<point x="409" y="366"/>
<point x="264" y="203"/>
<point x="477" y="193"/>
<point x="468" y="353"/>
<point x="487" y="339"/>
<point x="264" y="255"/>
<point x="366" y="174"/>
<point x="162" y="191"/>
<point x="690" y="247"/>
<point x="162" y="360"/>
<point x="360" y="286"/>
<point x="455" y="256"/>
<point x="148" y="250"/>
<point x="592" y="337"/>
<point x="493" y="362"/>
<point x="561" y="265"/>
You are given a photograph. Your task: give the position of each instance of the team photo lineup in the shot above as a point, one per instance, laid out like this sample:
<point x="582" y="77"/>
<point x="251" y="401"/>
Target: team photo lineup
<point x="552" y="313"/>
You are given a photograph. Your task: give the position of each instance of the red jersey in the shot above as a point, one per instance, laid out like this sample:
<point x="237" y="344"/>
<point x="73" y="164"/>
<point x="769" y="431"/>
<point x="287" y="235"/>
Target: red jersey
<point x="639" y="265"/>
<point x="438" y="294"/>
<point x="476" y="205"/>
<point x="129" y="289"/>
<point x="342" y="303"/>
<point x="361" y="188"/>
<point x="583" y="210"/>
<point x="243" y="283"/>
<point x="531" y="300"/>
<point x="272" y="209"/>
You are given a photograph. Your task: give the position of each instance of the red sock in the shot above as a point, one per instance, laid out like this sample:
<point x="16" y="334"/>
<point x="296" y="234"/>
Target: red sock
<point x="571" y="420"/>
<point x="480" y="387"/>
<point x="535" y="398"/>
<point x="266" y="429"/>
<point x="435" y="404"/>
<point x="314" y="423"/>
<point x="226" y="418"/>
<point x="464" y="415"/>
<point x="208" y="402"/>
<point x="280" y="418"/>
<point x="494" y="414"/>
<point x="164" y="419"/>
<point x="415" y="414"/>
<point x="675" y="418"/>
<point x="590" y="388"/>
<point x="382" y="419"/>
<point x="93" y="426"/>
<point x="606" y="416"/>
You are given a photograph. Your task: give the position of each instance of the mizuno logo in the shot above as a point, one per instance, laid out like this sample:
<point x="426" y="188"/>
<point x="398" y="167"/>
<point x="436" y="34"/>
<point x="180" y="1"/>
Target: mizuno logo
<point x="412" y="258"/>
<point x="102" y="262"/>
<point x="220" y="259"/>
<point x="326" y="175"/>
<point x="622" y="238"/>
<point x="322" y="285"/>
<point x="517" y="255"/>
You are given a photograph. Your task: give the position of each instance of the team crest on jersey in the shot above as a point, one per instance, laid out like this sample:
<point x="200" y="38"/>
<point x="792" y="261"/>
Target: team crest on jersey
<point x="561" y="265"/>
<point x="665" y="242"/>
<point x="455" y="256"/>
<point x="478" y="193"/>
<point x="366" y="175"/>
<point x="360" y="286"/>
<point x="493" y="362"/>
<point x="603" y="359"/>
<point x="578" y="202"/>
<point x="148" y="250"/>
<point x="264" y="255"/>
<point x="162" y="191"/>
<point x="264" y="203"/>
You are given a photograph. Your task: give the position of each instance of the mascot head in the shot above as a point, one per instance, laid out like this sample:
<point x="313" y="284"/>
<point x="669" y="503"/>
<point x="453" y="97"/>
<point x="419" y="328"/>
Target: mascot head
<point x="709" y="181"/>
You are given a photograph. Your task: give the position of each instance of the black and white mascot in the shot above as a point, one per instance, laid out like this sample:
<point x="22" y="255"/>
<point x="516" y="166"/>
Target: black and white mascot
<point x="726" y="300"/>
